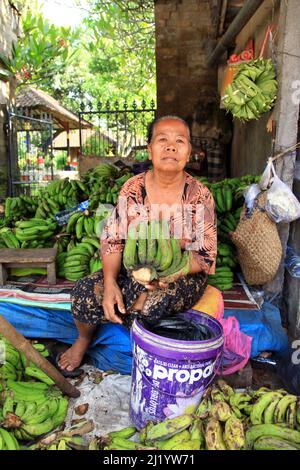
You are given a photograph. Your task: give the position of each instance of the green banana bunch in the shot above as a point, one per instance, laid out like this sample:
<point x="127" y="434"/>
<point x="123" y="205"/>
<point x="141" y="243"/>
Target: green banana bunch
<point x="168" y="428"/>
<point x="9" y="238"/>
<point x="72" y="438"/>
<point x="222" y="279"/>
<point x="253" y="90"/>
<point x="103" y="184"/>
<point x="150" y="253"/>
<point x="95" y="264"/>
<point x="44" y="419"/>
<point x="177" y="440"/>
<point x="8" y="440"/>
<point x="275" y="407"/>
<point x="72" y="222"/>
<point x="35" y="372"/>
<point x="271" y="430"/>
<point x="33" y="231"/>
<point x="14" y="208"/>
<point x="274" y="443"/>
<point x="81" y="259"/>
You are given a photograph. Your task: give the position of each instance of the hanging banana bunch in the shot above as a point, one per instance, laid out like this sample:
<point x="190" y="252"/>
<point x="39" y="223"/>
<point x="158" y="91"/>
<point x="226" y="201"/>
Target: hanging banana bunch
<point x="253" y="90"/>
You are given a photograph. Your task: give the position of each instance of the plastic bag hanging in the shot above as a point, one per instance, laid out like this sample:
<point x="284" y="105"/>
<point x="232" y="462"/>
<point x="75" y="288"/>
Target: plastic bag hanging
<point x="266" y="176"/>
<point x="281" y="204"/>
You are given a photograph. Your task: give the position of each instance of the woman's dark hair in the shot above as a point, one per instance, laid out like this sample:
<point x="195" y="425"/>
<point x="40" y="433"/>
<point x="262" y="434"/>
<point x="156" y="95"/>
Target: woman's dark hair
<point x="162" y="118"/>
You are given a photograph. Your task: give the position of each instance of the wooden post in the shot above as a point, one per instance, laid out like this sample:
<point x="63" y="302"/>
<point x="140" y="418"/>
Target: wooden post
<point x="24" y="346"/>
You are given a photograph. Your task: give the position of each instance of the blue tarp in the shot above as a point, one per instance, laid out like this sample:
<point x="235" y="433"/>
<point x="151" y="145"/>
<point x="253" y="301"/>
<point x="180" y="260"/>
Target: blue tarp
<point x="264" y="326"/>
<point x="111" y="348"/>
<point x="109" y="351"/>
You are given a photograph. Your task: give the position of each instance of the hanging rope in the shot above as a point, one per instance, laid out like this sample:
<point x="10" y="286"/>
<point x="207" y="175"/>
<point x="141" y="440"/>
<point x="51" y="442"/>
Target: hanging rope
<point x="282" y="154"/>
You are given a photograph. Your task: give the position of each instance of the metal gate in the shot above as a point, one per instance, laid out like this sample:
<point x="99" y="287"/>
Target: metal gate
<point x="117" y="131"/>
<point x="30" y="157"/>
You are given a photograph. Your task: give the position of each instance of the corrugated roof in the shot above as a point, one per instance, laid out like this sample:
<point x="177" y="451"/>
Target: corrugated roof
<point x="37" y="100"/>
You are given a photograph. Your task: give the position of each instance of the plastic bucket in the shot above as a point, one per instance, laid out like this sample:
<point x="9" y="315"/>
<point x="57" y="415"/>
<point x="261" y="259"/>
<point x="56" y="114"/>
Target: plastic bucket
<point x="170" y="376"/>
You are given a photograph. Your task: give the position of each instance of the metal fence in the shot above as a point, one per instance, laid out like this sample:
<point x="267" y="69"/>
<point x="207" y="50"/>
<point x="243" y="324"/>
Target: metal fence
<point x="118" y="131"/>
<point x="30" y="155"/>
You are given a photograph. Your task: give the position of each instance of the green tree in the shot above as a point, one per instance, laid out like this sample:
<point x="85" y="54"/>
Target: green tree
<point x="110" y="56"/>
<point x="115" y="58"/>
<point x="121" y="44"/>
<point x="42" y="51"/>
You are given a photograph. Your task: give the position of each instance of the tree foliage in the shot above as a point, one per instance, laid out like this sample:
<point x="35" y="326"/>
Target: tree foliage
<point x="109" y="56"/>
<point x="41" y="52"/>
<point x="119" y="39"/>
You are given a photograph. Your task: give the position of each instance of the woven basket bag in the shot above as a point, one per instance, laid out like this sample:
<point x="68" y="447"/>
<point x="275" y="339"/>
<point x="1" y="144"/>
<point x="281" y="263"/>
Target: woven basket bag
<point x="258" y="244"/>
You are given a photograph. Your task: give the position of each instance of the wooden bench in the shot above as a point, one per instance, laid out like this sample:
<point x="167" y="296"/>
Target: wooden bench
<point x="29" y="258"/>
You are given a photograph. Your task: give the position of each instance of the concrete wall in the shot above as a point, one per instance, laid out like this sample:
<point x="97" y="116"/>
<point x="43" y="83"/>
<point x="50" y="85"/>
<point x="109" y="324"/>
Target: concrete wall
<point x="251" y="144"/>
<point x="9" y="29"/>
<point x="183" y="30"/>
<point x="291" y="292"/>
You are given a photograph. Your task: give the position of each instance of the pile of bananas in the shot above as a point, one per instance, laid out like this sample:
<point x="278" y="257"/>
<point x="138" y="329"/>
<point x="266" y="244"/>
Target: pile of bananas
<point x="229" y="200"/>
<point x="16" y="207"/>
<point x="68" y="439"/>
<point x="150" y="253"/>
<point x="35" y="232"/>
<point x="30" y="404"/>
<point x="104" y="182"/>
<point x="225" y="419"/>
<point x="80" y="259"/>
<point x="226" y="262"/>
<point x="253" y="90"/>
<point x="57" y="195"/>
<point x="8" y="238"/>
<point x="81" y="223"/>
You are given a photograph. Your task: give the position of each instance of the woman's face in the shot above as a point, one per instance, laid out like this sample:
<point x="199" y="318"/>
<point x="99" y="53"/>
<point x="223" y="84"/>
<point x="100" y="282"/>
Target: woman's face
<point x="170" y="146"/>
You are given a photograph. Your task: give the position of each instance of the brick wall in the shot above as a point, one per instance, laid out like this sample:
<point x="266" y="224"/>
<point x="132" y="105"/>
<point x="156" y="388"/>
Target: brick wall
<point x="183" y="30"/>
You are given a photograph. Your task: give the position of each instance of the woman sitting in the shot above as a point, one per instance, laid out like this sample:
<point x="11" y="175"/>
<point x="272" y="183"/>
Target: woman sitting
<point x="167" y="192"/>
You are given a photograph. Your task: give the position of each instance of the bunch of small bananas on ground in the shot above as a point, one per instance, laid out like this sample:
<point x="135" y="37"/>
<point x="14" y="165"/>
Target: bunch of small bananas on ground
<point x="225" y="419"/>
<point x="150" y="253"/>
<point x="30" y="404"/>
<point x="80" y="259"/>
<point x="253" y="90"/>
<point x="248" y="415"/>
<point x="68" y="439"/>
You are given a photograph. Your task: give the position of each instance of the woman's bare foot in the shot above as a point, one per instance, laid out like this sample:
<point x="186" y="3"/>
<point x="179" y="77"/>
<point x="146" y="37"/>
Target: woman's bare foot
<point x="71" y="359"/>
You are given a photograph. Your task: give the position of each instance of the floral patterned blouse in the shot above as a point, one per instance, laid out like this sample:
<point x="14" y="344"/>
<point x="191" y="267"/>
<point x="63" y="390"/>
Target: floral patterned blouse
<point x="195" y="219"/>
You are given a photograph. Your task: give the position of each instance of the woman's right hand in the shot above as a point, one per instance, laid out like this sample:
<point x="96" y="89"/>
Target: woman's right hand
<point x="112" y="295"/>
